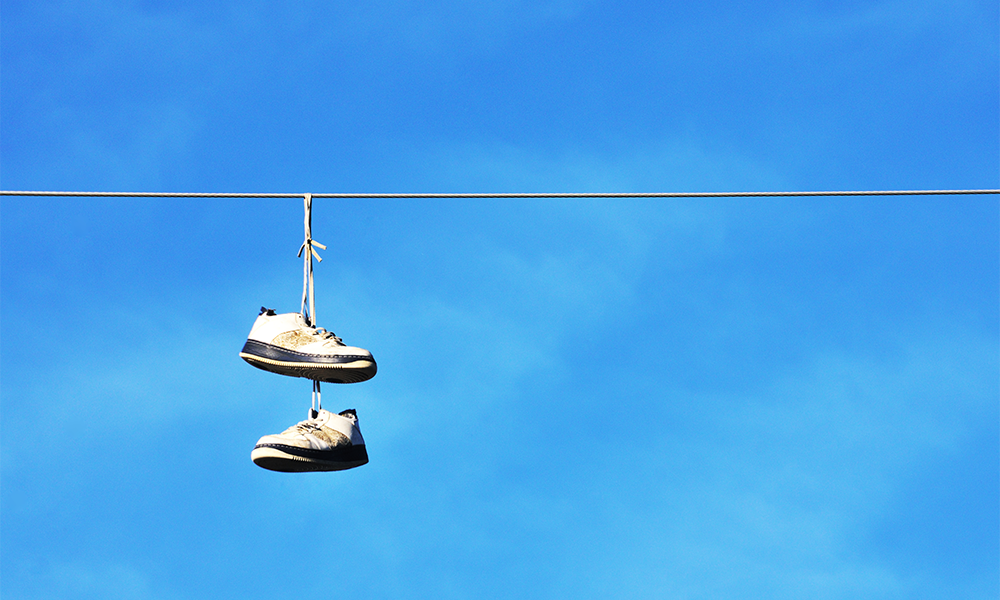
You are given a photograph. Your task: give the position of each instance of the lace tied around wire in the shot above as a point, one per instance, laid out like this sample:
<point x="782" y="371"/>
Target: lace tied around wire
<point x="309" y="248"/>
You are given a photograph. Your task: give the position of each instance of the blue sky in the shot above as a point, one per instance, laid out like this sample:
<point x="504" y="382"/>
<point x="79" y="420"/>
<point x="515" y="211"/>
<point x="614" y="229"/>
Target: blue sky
<point x="687" y="398"/>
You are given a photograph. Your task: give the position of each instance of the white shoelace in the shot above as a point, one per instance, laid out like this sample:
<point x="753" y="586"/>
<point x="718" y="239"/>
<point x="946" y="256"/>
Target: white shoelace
<point x="328" y="337"/>
<point x="317" y="399"/>
<point x="307" y="426"/>
<point x="309" y="248"/>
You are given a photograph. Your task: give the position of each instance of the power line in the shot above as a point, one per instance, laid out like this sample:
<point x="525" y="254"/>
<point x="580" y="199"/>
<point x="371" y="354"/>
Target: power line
<point x="506" y="195"/>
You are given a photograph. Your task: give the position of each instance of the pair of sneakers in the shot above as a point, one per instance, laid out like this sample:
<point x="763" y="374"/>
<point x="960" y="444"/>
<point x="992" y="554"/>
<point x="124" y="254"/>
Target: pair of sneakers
<point x="288" y="345"/>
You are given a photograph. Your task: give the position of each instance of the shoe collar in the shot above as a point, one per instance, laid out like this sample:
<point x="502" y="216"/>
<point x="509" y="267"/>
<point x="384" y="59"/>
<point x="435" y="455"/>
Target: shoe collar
<point x="346" y="423"/>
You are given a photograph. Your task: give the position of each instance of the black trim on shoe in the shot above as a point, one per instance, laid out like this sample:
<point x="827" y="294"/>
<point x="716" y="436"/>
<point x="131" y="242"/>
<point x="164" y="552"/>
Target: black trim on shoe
<point x="264" y="350"/>
<point x="329" y="369"/>
<point x="337" y="454"/>
<point x="298" y="460"/>
<point x="297" y="465"/>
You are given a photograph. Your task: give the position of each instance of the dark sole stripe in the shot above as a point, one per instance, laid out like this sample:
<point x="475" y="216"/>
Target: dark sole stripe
<point x="290" y="463"/>
<point x="338" y="454"/>
<point x="271" y="352"/>
<point x="325" y="373"/>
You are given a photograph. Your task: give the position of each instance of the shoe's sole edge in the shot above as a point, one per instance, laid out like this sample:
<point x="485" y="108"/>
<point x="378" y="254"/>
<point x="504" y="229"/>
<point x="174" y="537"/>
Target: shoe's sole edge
<point x="349" y="372"/>
<point x="286" y="459"/>
<point x="265" y="350"/>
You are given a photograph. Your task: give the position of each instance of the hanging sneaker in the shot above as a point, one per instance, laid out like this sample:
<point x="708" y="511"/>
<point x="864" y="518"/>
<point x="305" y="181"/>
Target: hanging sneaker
<point x="323" y="442"/>
<point x="286" y="345"/>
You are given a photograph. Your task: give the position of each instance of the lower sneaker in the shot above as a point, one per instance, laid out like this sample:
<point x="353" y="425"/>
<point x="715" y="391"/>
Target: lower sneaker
<point x="287" y="345"/>
<point x="323" y="442"/>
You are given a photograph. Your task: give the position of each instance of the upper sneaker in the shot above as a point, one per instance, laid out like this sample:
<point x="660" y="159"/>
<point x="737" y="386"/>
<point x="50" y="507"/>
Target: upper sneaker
<point x="323" y="442"/>
<point x="285" y="344"/>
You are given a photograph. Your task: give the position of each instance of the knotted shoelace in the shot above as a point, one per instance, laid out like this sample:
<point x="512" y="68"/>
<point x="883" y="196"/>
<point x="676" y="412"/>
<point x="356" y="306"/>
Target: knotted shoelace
<point x="328" y="337"/>
<point x="308" y="249"/>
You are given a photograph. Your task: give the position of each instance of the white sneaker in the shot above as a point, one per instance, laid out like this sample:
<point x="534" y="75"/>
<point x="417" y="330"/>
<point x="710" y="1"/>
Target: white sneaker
<point x="323" y="442"/>
<point x="285" y="344"/>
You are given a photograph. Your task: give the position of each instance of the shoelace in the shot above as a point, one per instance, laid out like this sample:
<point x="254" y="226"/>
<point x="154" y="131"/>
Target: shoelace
<point x="307" y="426"/>
<point x="327" y="336"/>
<point x="307" y="247"/>
<point x="317" y="399"/>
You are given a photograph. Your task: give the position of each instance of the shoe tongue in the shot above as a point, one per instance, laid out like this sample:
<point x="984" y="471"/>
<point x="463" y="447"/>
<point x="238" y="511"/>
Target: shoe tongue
<point x="321" y="415"/>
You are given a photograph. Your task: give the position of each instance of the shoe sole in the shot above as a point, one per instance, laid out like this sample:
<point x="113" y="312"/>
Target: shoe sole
<point x="284" y="362"/>
<point x="289" y="459"/>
